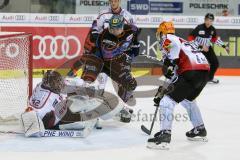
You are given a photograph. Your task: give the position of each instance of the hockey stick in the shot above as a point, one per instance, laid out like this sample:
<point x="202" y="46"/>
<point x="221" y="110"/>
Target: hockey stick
<point x="66" y="133"/>
<point x="143" y="128"/>
<point x="150" y="57"/>
<point x="57" y="133"/>
<point x="147" y="131"/>
<point x="10" y="132"/>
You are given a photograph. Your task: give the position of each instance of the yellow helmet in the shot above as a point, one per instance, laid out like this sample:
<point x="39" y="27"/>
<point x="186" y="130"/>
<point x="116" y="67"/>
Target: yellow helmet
<point x="166" y="28"/>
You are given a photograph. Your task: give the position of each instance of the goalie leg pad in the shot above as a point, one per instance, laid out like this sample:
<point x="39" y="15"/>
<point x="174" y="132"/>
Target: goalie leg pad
<point x="81" y="125"/>
<point x="32" y="124"/>
<point x="82" y="104"/>
<point x="113" y="106"/>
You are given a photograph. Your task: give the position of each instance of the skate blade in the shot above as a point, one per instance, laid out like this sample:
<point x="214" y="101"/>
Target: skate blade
<point x="162" y="146"/>
<point x="201" y="139"/>
<point x="213" y="82"/>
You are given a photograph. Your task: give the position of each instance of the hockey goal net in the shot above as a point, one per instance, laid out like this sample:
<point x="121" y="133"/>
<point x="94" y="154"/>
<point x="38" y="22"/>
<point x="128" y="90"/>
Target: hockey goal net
<point x="15" y="77"/>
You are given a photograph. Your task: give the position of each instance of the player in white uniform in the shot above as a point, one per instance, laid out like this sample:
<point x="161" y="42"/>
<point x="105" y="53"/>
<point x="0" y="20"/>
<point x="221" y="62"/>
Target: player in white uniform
<point x="49" y="109"/>
<point x="192" y="69"/>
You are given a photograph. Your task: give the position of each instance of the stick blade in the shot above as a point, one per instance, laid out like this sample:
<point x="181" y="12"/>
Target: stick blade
<point x="145" y="130"/>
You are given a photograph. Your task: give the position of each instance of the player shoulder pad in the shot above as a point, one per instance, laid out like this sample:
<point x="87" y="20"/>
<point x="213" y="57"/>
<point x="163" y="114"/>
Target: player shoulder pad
<point x="176" y="39"/>
<point x="172" y="38"/>
<point x="128" y="17"/>
<point x="103" y="12"/>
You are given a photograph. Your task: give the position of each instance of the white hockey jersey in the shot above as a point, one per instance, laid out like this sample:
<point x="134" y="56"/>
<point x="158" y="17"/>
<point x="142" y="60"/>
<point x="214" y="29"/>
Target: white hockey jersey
<point x="44" y="101"/>
<point x="103" y="19"/>
<point x="189" y="57"/>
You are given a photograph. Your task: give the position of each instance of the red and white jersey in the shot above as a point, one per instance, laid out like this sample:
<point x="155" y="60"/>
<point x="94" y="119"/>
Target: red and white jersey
<point x="44" y="101"/>
<point x="104" y="16"/>
<point x="189" y="57"/>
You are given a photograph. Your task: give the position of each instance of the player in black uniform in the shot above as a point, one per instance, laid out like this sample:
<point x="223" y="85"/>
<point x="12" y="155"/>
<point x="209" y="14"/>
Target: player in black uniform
<point x="205" y="34"/>
<point x="112" y="56"/>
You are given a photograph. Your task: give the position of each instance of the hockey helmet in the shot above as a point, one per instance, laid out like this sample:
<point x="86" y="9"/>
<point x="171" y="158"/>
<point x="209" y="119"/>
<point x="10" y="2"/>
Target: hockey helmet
<point x="165" y="28"/>
<point x="53" y="81"/>
<point x="116" y="22"/>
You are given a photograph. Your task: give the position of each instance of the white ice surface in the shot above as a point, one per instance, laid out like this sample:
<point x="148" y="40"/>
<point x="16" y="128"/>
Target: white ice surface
<point x="220" y="106"/>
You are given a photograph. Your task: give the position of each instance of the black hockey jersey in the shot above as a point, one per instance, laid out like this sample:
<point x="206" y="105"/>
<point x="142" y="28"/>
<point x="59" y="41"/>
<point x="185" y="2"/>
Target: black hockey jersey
<point x="110" y="46"/>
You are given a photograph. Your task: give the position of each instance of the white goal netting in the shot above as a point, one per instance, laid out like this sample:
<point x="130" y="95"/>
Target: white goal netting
<point x="15" y="76"/>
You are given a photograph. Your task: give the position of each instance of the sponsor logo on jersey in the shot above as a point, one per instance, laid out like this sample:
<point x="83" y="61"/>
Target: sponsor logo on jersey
<point x="201" y="32"/>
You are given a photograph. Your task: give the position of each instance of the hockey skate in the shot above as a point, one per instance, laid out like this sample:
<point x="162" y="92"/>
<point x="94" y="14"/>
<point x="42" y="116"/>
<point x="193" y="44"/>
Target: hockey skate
<point x="125" y="115"/>
<point x="197" y="134"/>
<point x="160" y="141"/>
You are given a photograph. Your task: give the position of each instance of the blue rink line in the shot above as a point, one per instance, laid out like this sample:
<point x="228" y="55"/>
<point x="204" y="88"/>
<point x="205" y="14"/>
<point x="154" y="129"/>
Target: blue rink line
<point x="110" y="137"/>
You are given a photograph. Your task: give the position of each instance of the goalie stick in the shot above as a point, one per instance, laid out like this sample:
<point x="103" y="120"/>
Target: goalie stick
<point x="58" y="133"/>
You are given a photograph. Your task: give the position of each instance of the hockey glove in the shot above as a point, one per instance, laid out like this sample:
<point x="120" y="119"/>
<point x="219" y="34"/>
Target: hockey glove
<point x="161" y="92"/>
<point x="94" y="36"/>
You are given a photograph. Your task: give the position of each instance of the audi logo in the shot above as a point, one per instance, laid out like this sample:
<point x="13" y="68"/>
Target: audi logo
<point x="20" y="17"/>
<point x="53" y="18"/>
<point x="156" y="19"/>
<point x="192" y="20"/>
<point x="235" y="21"/>
<point x="11" y="50"/>
<point x="58" y="47"/>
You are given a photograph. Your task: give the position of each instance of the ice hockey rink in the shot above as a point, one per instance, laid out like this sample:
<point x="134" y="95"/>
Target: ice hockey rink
<point x="220" y="108"/>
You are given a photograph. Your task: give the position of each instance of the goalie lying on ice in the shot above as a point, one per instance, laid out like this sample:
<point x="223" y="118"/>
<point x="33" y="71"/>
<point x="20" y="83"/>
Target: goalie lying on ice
<point x="50" y="109"/>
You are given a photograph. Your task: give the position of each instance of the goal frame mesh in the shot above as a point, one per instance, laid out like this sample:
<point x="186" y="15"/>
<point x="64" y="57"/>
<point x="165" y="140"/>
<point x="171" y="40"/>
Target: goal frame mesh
<point x="4" y="36"/>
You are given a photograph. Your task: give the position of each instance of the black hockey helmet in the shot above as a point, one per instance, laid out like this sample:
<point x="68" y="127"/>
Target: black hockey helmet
<point x="53" y="81"/>
<point x="209" y="16"/>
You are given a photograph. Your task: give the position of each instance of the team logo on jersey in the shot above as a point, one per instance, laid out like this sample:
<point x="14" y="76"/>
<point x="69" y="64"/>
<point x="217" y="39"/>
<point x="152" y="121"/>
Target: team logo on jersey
<point x="201" y="32"/>
<point x="115" y="21"/>
<point x="167" y="45"/>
